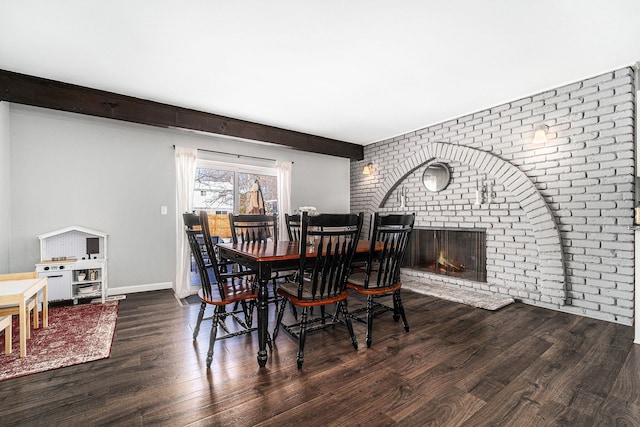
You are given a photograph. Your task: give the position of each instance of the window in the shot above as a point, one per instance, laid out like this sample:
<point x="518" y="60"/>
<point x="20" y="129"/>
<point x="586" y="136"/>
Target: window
<point x="223" y="188"/>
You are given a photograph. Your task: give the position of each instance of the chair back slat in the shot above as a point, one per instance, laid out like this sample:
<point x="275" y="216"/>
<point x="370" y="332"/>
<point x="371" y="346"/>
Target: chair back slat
<point x="294" y="227"/>
<point x="393" y="232"/>
<point x="334" y="238"/>
<point x="253" y="228"/>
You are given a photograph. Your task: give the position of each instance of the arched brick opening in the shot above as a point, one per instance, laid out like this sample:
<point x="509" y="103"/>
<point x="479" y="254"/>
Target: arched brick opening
<point x="550" y="253"/>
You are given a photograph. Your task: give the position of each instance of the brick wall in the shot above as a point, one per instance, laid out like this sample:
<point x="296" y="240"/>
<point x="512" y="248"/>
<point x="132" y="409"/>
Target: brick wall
<point x="558" y="228"/>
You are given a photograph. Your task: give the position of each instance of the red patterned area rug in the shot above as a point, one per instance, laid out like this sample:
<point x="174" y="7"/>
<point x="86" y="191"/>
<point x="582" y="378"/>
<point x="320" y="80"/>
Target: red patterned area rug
<point x="76" y="334"/>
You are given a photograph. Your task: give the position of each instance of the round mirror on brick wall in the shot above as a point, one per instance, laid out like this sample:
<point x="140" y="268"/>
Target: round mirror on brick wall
<point x="436" y="177"/>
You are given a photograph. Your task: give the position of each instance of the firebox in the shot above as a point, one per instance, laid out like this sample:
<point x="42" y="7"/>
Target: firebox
<point x="457" y="252"/>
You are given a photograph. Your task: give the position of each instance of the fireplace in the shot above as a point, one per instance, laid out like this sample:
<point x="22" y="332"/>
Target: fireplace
<point x="458" y="252"/>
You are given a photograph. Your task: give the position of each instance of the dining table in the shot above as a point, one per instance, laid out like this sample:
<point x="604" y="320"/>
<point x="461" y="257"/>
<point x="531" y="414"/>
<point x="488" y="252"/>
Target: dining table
<point x="263" y="258"/>
<point x="18" y="292"/>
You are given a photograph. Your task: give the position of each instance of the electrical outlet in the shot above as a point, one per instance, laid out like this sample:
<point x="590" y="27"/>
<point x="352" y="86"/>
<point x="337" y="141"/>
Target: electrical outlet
<point x="163" y="210"/>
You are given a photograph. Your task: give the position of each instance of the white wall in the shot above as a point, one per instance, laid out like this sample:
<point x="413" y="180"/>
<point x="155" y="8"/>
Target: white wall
<point x="5" y="188"/>
<point x="68" y="169"/>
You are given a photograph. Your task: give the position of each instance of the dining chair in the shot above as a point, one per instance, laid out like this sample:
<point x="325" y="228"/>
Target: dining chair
<point x="293" y="231"/>
<point x="5" y="324"/>
<point x="31" y="306"/>
<point x="293" y="227"/>
<point x="322" y="278"/>
<point x="256" y="228"/>
<point x="229" y="289"/>
<point x="381" y="276"/>
<point x="253" y="228"/>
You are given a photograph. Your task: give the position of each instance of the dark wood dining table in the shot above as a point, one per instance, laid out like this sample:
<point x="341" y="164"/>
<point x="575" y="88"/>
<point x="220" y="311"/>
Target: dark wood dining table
<point x="264" y="258"/>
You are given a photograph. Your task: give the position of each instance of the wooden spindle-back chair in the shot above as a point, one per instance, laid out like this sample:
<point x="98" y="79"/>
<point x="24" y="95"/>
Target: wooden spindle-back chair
<point x="229" y="289"/>
<point x="321" y="278"/>
<point x="382" y="272"/>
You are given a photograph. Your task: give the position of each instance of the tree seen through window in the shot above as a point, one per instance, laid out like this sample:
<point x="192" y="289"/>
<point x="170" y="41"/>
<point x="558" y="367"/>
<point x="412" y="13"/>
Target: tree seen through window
<point x="219" y="191"/>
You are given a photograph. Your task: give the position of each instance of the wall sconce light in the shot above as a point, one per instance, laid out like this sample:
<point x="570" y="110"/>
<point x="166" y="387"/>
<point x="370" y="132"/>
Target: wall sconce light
<point x="484" y="193"/>
<point x="540" y="135"/>
<point x="368" y="168"/>
<point x="402" y="197"/>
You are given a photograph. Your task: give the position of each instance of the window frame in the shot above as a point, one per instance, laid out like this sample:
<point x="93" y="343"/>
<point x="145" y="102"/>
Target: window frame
<point x="236" y="168"/>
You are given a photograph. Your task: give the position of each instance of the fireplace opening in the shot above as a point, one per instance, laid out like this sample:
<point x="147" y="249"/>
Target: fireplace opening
<point x="458" y="252"/>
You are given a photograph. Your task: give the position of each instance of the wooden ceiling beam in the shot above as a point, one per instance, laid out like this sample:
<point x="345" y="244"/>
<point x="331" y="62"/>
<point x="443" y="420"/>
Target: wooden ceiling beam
<point x="39" y="92"/>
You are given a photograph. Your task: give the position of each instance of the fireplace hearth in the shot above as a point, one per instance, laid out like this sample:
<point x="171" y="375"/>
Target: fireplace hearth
<point x="456" y="252"/>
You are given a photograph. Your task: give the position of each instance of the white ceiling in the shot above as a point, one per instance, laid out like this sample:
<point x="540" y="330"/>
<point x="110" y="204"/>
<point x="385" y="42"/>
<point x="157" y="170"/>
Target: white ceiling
<point x="358" y="70"/>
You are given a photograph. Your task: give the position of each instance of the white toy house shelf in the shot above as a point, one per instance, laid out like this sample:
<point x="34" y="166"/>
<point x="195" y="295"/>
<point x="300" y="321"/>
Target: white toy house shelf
<point x="74" y="259"/>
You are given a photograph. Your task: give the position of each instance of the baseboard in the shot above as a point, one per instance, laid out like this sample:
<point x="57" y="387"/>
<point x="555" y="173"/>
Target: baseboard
<point x="139" y="288"/>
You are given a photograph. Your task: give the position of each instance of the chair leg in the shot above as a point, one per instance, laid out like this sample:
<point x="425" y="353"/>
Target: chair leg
<point x="28" y="323"/>
<point x="396" y="309"/>
<point x="269" y="342"/>
<point x="302" y="336"/>
<point x="7" y="340"/>
<point x="397" y="304"/>
<point x="347" y="320"/>
<point x="6" y="325"/>
<point x="334" y="316"/>
<point x="200" y="316"/>
<point x="212" y="337"/>
<point x="248" y="313"/>
<point x="222" y="317"/>
<point x="36" y="317"/>
<point x="279" y="318"/>
<point x="369" y="319"/>
<point x="275" y="294"/>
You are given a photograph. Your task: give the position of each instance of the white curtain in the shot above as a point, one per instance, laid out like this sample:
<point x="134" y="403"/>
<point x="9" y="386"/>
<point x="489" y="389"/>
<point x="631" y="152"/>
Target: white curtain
<point x="284" y="196"/>
<point x="185" y="175"/>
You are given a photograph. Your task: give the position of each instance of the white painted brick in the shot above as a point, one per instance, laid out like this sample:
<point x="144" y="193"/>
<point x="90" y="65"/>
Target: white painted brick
<point x="618" y="311"/>
<point x="616" y="131"/>
<point x="583" y="91"/>
<point x="617" y="99"/>
<point x="585" y="304"/>
<point x="600" y="299"/>
<point x="618" y="295"/>
<point x="579" y="148"/>
<point x="624" y="302"/>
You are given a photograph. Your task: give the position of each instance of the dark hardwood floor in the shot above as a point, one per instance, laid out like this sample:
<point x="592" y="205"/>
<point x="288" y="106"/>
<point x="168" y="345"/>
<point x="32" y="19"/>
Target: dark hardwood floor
<point x="519" y="366"/>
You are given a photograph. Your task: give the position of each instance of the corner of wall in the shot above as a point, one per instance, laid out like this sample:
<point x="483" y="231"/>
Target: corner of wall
<point x="5" y="187"/>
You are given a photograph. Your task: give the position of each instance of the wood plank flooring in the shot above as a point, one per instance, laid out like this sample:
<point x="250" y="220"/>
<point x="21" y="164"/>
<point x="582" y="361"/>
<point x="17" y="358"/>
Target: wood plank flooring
<point x="519" y="366"/>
